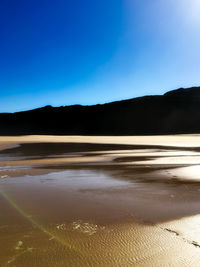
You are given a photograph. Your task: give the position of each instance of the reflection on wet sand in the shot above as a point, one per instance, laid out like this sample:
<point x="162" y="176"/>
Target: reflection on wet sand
<point x="83" y="204"/>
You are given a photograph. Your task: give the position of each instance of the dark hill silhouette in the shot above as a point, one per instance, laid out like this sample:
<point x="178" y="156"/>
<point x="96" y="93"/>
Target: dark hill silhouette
<point x="176" y="111"/>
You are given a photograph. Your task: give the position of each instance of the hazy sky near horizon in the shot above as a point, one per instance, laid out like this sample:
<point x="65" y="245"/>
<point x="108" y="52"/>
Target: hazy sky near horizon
<point x="94" y="51"/>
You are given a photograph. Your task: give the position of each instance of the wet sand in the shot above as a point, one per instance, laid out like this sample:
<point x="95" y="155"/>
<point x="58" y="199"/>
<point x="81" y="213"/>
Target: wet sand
<point x="119" y="201"/>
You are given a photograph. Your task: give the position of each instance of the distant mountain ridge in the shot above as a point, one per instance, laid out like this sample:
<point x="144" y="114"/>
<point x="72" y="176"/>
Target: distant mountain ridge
<point x="176" y="111"/>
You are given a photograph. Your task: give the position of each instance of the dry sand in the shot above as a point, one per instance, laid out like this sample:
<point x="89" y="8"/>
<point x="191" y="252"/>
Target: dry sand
<point x="190" y="140"/>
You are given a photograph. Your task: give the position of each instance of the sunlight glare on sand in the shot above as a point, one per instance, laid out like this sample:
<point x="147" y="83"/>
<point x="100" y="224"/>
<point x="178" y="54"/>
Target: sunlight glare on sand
<point x="191" y="173"/>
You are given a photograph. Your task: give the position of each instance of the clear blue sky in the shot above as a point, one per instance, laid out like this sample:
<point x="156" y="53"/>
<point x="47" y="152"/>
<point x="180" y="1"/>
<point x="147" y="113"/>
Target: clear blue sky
<point x="94" y="51"/>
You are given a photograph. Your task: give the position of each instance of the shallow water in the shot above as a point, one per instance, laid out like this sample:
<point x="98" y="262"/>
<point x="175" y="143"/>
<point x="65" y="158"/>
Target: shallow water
<point x="114" y="213"/>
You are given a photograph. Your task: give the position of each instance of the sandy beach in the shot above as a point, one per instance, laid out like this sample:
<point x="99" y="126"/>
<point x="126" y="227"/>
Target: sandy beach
<point x="100" y="201"/>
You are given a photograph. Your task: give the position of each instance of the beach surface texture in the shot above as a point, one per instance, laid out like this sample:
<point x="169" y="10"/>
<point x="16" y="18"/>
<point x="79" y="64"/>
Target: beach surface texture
<point x="100" y="201"/>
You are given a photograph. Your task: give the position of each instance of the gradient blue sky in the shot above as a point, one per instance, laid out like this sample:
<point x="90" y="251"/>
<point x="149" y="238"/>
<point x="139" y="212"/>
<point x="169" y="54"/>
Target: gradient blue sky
<point x="94" y="51"/>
